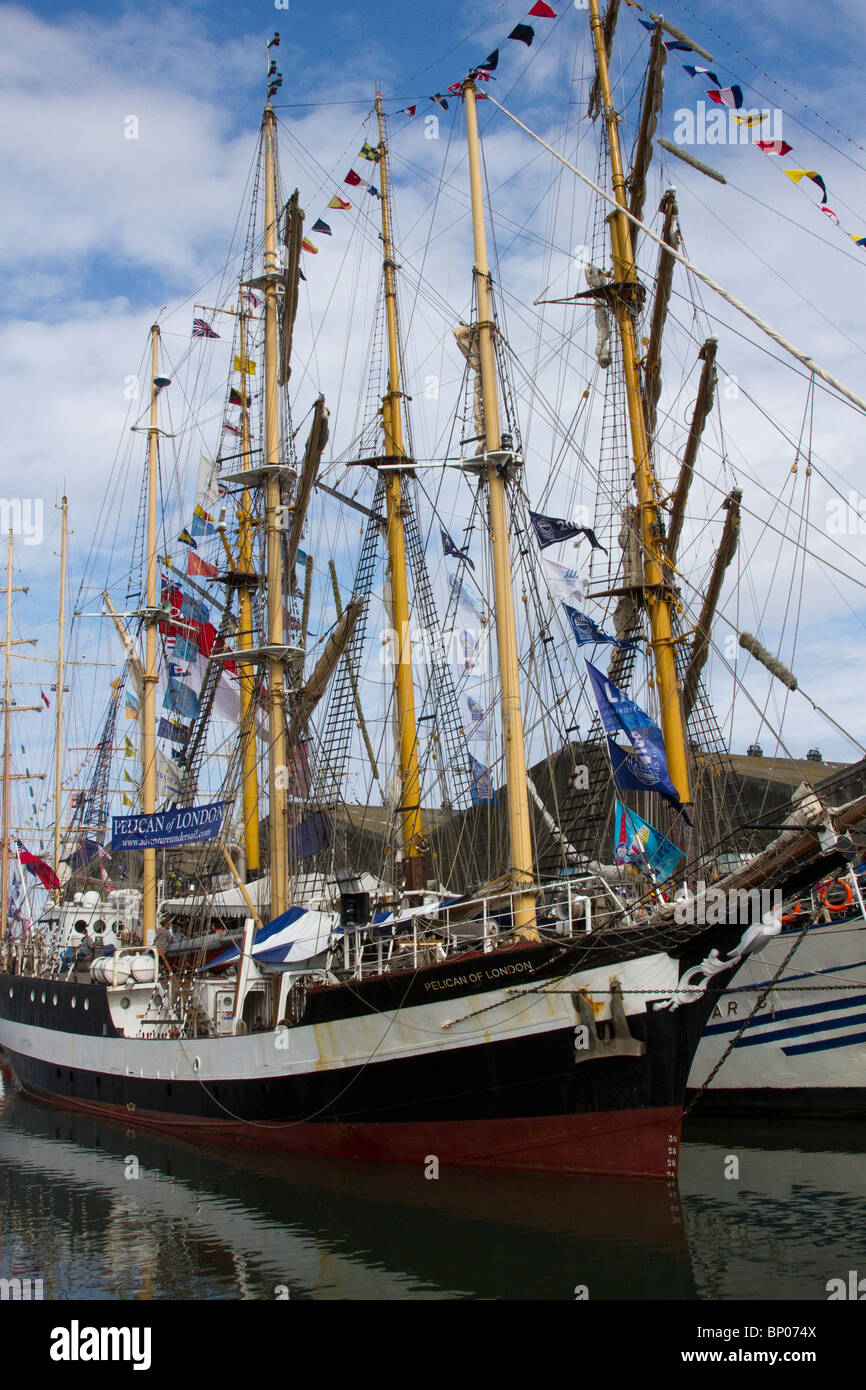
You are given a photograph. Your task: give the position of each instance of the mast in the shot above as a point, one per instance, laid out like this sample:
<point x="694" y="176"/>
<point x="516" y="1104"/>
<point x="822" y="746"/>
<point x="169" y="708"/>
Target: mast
<point x="246" y="672"/>
<point x="150" y="677"/>
<point x="414" y="859"/>
<point x="7" y="695"/>
<point x="656" y="593"/>
<point x="58" y="711"/>
<point x="278" y="829"/>
<point x="519" y="827"/>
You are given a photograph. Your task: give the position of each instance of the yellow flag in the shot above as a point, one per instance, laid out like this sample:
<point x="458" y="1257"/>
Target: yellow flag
<point x="128" y="747"/>
<point x="245" y="364"/>
<point x="128" y="800"/>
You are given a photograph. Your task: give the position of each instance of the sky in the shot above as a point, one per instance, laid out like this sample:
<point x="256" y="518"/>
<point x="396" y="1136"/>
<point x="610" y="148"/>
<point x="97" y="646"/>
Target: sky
<point x="102" y="233"/>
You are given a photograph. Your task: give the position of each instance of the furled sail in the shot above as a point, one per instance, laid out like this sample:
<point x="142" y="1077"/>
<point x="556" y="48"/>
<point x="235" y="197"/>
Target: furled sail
<point x="293" y="231"/>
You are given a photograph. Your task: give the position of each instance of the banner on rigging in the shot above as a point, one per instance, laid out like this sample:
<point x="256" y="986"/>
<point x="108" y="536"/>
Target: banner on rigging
<point x="184" y="825"/>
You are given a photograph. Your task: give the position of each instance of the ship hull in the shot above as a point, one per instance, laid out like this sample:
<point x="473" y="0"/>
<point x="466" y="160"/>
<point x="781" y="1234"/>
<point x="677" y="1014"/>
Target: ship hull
<point x="804" y="1052"/>
<point x="468" y="1076"/>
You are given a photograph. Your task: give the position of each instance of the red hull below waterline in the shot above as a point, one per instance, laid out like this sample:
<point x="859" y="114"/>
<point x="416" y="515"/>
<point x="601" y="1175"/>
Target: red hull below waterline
<point x="619" y="1143"/>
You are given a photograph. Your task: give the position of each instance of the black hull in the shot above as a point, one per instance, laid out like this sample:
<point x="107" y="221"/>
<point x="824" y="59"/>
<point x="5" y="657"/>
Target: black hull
<point x="514" y="1102"/>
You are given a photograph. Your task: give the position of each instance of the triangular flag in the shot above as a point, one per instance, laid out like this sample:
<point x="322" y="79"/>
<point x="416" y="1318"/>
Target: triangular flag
<point x="341" y="203"/>
<point x="830" y="213"/>
<point x="524" y="33"/>
<point x="407" y="111"/>
<point x="542" y="11"/>
<point x="128" y="747"/>
<point x="798" y="174"/>
<point x="308" y="246"/>
<point x="693" y="72"/>
<point x="774" y="146"/>
<point x="858" y="240"/>
<point x="727" y="96"/>
<point x="491" y="62"/>
<point x="440" y="101"/>
<point x="187" y="539"/>
<point x="320" y="226"/>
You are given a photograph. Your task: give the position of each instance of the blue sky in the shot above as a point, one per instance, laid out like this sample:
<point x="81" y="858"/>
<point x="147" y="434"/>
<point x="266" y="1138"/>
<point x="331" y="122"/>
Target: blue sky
<point x="101" y="232"/>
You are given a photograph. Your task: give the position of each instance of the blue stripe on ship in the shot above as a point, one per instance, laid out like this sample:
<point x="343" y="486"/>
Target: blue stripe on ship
<point x="802" y="1011"/>
<point x="805" y="975"/>
<point x="825" y="1025"/>
<point x="825" y="1045"/>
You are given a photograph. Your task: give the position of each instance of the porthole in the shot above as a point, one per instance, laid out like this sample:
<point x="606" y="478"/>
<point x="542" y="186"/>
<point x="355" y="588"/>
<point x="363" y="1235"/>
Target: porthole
<point x="196" y="1064"/>
<point x="43" y="996"/>
<point x="33" y="996"/>
<point x="73" y="1001"/>
<point x="99" y="927"/>
<point x="86" y="1005"/>
<point x="11" y="992"/>
<point x="54" y="1000"/>
<point x="80" y="925"/>
<point x="124" y="1003"/>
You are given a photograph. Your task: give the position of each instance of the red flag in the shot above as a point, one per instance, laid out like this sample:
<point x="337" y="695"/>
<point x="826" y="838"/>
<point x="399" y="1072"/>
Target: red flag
<point x="45" y="698"/>
<point x="195" y="565"/>
<point x="774" y="146"/>
<point x="542" y="11"/>
<point x="44" y="872"/>
<point x="352" y="178"/>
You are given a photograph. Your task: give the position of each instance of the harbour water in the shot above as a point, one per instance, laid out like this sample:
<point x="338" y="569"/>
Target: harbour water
<point x="100" y="1212"/>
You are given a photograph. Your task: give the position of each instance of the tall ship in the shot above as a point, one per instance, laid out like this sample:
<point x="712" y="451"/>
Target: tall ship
<point x="360" y="898"/>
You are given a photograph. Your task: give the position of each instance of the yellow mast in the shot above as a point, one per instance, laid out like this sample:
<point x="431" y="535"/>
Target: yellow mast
<point x="148" y="713"/>
<point x="414" y="860"/>
<point x="249" y="771"/>
<point x="519" y="826"/>
<point x="276" y="673"/>
<point x="656" y="594"/>
<point x="58" y="749"/>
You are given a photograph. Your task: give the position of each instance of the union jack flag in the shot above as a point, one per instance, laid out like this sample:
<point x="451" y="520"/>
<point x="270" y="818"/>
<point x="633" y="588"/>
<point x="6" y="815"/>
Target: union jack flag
<point x="202" y="329"/>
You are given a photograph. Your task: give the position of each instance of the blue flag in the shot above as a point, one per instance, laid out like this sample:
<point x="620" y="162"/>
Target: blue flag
<point x="551" y="529"/>
<point x="639" y="843"/>
<point x="450" y="548"/>
<point x="586" y="631"/>
<point x="482" y="785"/>
<point x="646" y="767"/>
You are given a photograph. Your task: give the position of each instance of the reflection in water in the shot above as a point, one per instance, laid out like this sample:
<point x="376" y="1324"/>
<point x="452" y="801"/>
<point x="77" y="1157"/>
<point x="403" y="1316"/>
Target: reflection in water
<point x="218" y="1224"/>
<point x="793" y="1218"/>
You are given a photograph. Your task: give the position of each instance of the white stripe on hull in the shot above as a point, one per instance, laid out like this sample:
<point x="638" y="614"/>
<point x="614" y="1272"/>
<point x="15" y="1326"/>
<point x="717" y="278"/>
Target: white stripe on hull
<point x="518" y="1011"/>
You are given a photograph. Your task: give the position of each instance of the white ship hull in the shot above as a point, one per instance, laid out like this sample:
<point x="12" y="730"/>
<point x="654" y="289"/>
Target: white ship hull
<point x="806" y="1046"/>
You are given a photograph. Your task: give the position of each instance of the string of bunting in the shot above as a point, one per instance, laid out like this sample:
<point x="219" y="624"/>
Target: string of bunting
<point x="732" y="97"/>
<point x="483" y="71"/>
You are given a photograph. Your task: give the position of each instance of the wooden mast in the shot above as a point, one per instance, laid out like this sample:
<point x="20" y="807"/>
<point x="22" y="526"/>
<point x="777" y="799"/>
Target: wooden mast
<point x="246" y="671"/>
<point x="414" y="859"/>
<point x="519" y="826"/>
<point x="7" y="695"/>
<point x="58" y="708"/>
<point x="150" y="677"/>
<point x="278" y="829"/>
<point x="656" y="594"/>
